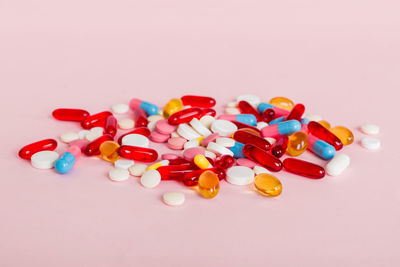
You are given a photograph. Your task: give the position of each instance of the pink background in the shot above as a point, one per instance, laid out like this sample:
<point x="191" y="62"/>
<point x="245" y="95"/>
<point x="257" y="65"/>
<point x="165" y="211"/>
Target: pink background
<point x="340" y="58"/>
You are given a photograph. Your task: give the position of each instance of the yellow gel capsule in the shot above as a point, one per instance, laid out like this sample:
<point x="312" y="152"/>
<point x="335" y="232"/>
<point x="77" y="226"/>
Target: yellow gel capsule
<point x="202" y="162"/>
<point x="282" y="102"/>
<point x="208" y="184"/>
<point x="344" y="134"/>
<point x="108" y="151"/>
<point x="326" y="124"/>
<point x="268" y="185"/>
<point x="171" y="107"/>
<point x="297" y="144"/>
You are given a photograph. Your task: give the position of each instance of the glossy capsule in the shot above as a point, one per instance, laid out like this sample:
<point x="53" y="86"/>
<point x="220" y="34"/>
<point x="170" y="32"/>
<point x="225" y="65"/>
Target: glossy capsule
<point x="184" y="115"/>
<point x="141" y="130"/>
<point x="172" y="106"/>
<point x="249" y="138"/>
<point x="224" y="162"/>
<point x="280" y="146"/>
<point x="95" y="120"/>
<point x="304" y="168"/>
<point x="27" y="151"/>
<point x="237" y="150"/>
<point x="262" y="157"/>
<point x="208" y="184"/>
<point x="344" y="134"/>
<point x="243" y="125"/>
<point x="111" y="126"/>
<point x="198" y="101"/>
<point x="175" y="172"/>
<point x="267" y="185"/>
<point x="277" y="120"/>
<point x="279" y="112"/>
<point x="147" y="107"/>
<point x="268" y="115"/>
<point x="109" y="151"/>
<point x="296" y="113"/>
<point x="246" y="108"/>
<point x="65" y="162"/>
<point x="202" y="162"/>
<point x="208" y="111"/>
<point x="297" y="144"/>
<point x="92" y="148"/>
<point x="282" y="128"/>
<point x="70" y="114"/>
<point x="248" y="119"/>
<point x="324" y="134"/>
<point x="140" y="118"/>
<point x="326" y="124"/>
<point x="320" y="148"/>
<point x="138" y="153"/>
<point x="282" y="102"/>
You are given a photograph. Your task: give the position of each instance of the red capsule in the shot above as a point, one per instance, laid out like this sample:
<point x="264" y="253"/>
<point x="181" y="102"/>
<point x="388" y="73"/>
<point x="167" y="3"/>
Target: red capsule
<point x="174" y="172"/>
<point x="262" y="157"/>
<point x="141" y="122"/>
<point x="324" y="134"/>
<point x="207" y="111"/>
<point x="198" y="101"/>
<point x="221" y="173"/>
<point x="141" y="130"/>
<point x="192" y="178"/>
<point x="180" y="161"/>
<point x="184" y="115"/>
<point x="249" y="138"/>
<point x="296" y="113"/>
<point x="27" y="151"/>
<point x="268" y="115"/>
<point x="243" y="125"/>
<point x="280" y="146"/>
<point x="96" y="120"/>
<point x="111" y="126"/>
<point x="138" y="153"/>
<point x="70" y="114"/>
<point x="304" y="168"/>
<point x="224" y="162"/>
<point x="246" y="108"/>
<point x="92" y="148"/>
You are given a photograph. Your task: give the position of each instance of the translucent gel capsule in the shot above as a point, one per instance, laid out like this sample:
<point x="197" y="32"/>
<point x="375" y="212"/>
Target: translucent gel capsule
<point x="262" y="157"/>
<point x="111" y="126"/>
<point x="27" y="151"/>
<point x="344" y="134"/>
<point x="175" y="172"/>
<point x="250" y="130"/>
<point x="279" y="112"/>
<point x="268" y="185"/>
<point x="225" y="162"/>
<point x="69" y="114"/>
<point x="208" y="184"/>
<point x="243" y="125"/>
<point x="326" y="124"/>
<point x="184" y="115"/>
<point x="138" y="153"/>
<point x="198" y="101"/>
<point x="95" y="120"/>
<point x="249" y="138"/>
<point x="280" y="146"/>
<point x="141" y="130"/>
<point x="207" y="111"/>
<point x="109" y="151"/>
<point x="246" y="108"/>
<point x="268" y="115"/>
<point x="324" y="134"/>
<point x="92" y="148"/>
<point x="172" y="106"/>
<point x="140" y="118"/>
<point x="303" y="168"/>
<point x="297" y="144"/>
<point x="296" y="113"/>
<point x="282" y="102"/>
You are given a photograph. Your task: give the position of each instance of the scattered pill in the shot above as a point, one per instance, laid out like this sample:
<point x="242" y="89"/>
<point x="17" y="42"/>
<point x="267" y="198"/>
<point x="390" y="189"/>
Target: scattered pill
<point x="137" y="169"/>
<point x="174" y="198"/>
<point x="150" y="178"/>
<point x="370" y="129"/>
<point x="69" y="137"/>
<point x="338" y="164"/>
<point x="371" y="143"/>
<point x="225" y="141"/>
<point x="207" y="121"/>
<point x="126" y="124"/>
<point x="123" y="163"/>
<point x="240" y="175"/>
<point x="135" y="140"/>
<point x="118" y="174"/>
<point x="120" y="108"/>
<point x="44" y="159"/>
<point x="223" y="127"/>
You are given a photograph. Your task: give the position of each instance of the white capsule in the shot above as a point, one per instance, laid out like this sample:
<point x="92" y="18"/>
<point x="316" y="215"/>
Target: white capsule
<point x="338" y="164"/>
<point x="174" y="198"/>
<point x="120" y="108"/>
<point x="126" y="124"/>
<point x="371" y="143"/>
<point x="240" y="175"/>
<point x="91" y="136"/>
<point x="150" y="178"/>
<point x="370" y="129"/>
<point x="118" y="174"/>
<point x="69" y="137"/>
<point x="137" y="169"/>
<point x="44" y="159"/>
<point x="223" y="127"/>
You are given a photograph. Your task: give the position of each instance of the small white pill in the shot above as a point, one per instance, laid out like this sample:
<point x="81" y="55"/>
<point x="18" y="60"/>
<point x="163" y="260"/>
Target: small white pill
<point x="123" y="163"/>
<point x="207" y="121"/>
<point x="270" y="140"/>
<point x="187" y="132"/>
<point x="338" y="164"/>
<point x="210" y="154"/>
<point x="91" y="136"/>
<point x="261" y="125"/>
<point x="152" y="125"/>
<point x="371" y="143"/>
<point x="150" y="178"/>
<point x="231" y="105"/>
<point x="223" y="127"/>
<point x="135" y="140"/>
<point x="120" y="108"/>
<point x="240" y="175"/>
<point x="252" y="99"/>
<point x="218" y="149"/>
<point x="199" y="127"/>
<point x="174" y="198"/>
<point x="97" y="130"/>
<point x="44" y="159"/>
<point x="118" y="174"/>
<point x="258" y="170"/>
<point x="191" y="143"/>
<point x="82" y="134"/>
<point x="313" y="117"/>
<point x="232" y="111"/>
<point x="137" y="169"/>
<point x="154" y="118"/>
<point x="370" y="129"/>
<point x="225" y="141"/>
<point x="69" y="137"/>
<point x="126" y="124"/>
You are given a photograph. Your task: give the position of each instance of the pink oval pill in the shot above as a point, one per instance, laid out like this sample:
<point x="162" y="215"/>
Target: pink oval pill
<point x="246" y="162"/>
<point x="176" y="143"/>
<point x="75" y="150"/>
<point x="208" y="139"/>
<point x="169" y="156"/>
<point x="190" y="153"/>
<point x="163" y="127"/>
<point x="158" y="137"/>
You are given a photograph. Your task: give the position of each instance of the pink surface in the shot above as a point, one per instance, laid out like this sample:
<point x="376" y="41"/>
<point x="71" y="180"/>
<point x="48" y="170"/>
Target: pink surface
<point x="340" y="58"/>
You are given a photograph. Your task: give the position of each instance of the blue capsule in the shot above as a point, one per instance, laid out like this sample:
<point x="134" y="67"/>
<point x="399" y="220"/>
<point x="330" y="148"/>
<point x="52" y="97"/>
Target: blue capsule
<point x="248" y="119"/>
<point x="305" y="121"/>
<point x="263" y="106"/>
<point x="65" y="163"/>
<point x="277" y="120"/>
<point x="237" y="150"/>
<point x="321" y="148"/>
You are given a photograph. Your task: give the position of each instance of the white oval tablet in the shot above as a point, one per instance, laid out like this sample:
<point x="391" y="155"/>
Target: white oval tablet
<point x="225" y="141"/>
<point x="313" y="117"/>
<point x="150" y="178"/>
<point x="210" y="154"/>
<point x="123" y="163"/>
<point x="252" y="99"/>
<point x="97" y="130"/>
<point x="207" y="120"/>
<point x="187" y="132"/>
<point x="44" y="159"/>
<point x="137" y="169"/>
<point x="240" y="175"/>
<point x="174" y="198"/>
<point x="258" y="170"/>
<point x="371" y="143"/>
<point x="218" y="149"/>
<point x="82" y="134"/>
<point x="199" y="127"/>
<point x="118" y="174"/>
<point x="126" y="124"/>
<point x="338" y="164"/>
<point x="232" y="111"/>
<point x="231" y="105"/>
<point x="120" y="108"/>
<point x="261" y="125"/>
<point x="223" y="127"/>
<point x="91" y="136"/>
<point x="270" y="140"/>
<point x="370" y="129"/>
<point x="135" y="140"/>
<point x="190" y="144"/>
<point x="69" y="137"/>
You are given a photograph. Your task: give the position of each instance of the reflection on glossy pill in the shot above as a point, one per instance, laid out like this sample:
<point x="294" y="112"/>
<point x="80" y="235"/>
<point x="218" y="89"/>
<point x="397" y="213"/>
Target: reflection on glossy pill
<point x="268" y="185"/>
<point x="344" y="134"/>
<point x="208" y="184"/>
<point x="326" y="124"/>
<point x="297" y="144"/>
<point x="282" y="102"/>
<point x="109" y="151"/>
<point x="172" y="106"/>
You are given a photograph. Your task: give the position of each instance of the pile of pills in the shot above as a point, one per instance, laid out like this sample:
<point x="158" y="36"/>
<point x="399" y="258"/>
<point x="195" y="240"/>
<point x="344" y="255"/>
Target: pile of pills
<point x="244" y="146"/>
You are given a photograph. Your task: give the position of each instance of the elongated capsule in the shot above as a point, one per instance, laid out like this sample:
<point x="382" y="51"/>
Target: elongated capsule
<point x="70" y="114"/>
<point x="184" y="115"/>
<point x="138" y="153"/>
<point x="243" y="125"/>
<point x="95" y="120"/>
<point x="249" y="138"/>
<point x="282" y="102"/>
<point x="202" y="162"/>
<point x="191" y="178"/>
<point x="237" y="150"/>
<point x="324" y="134"/>
<point x="304" y="168"/>
<point x="279" y="112"/>
<point x="27" y="151"/>
<point x="282" y="128"/>
<point x="111" y="126"/>
<point x="172" y="106"/>
<point x="262" y="157"/>
<point x="175" y="172"/>
<point x="141" y="130"/>
<point x="296" y="113"/>
<point x="248" y="119"/>
<point x="208" y="184"/>
<point x="224" y="162"/>
<point x="320" y="148"/>
<point x="277" y="120"/>
<point x="246" y="108"/>
<point x="344" y="134"/>
<point x="140" y="118"/>
<point x="208" y="111"/>
<point x="93" y="148"/>
<point x="338" y="164"/>
<point x="198" y="101"/>
<point x="280" y="146"/>
<point x="268" y="115"/>
<point x="147" y="107"/>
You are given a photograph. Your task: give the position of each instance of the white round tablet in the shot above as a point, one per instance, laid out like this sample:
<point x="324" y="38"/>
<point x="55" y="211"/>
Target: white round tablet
<point x="154" y="118"/>
<point x="207" y="120"/>
<point x="137" y="169"/>
<point x="371" y="143"/>
<point x="252" y="99"/>
<point x="199" y="127"/>
<point x="232" y="111"/>
<point x="174" y="198"/>
<point x="120" y="108"/>
<point x="218" y="149"/>
<point x="338" y="164"/>
<point x="223" y="127"/>
<point x="126" y="124"/>
<point x="225" y="141"/>
<point x="240" y="175"/>
<point x="313" y="117"/>
<point x="135" y="140"/>
<point x="44" y="159"/>
<point x="258" y="170"/>
<point x="97" y="130"/>
<point x="187" y="132"/>
<point x="69" y="137"/>
<point x="231" y="105"/>
<point x="123" y="163"/>
<point x="150" y="178"/>
<point x="118" y="174"/>
<point x="370" y="129"/>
